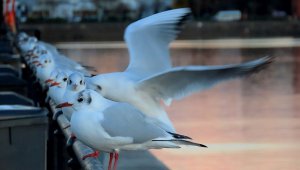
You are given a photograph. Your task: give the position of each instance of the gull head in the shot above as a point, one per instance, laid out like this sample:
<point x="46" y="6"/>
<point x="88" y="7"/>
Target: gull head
<point x="21" y="36"/>
<point x="100" y="84"/>
<point x="111" y="85"/>
<point x="85" y="100"/>
<point x="76" y="82"/>
<point x="27" y="44"/>
<point x="37" y="51"/>
<point x="46" y="60"/>
<point x="60" y="80"/>
<point x="52" y="77"/>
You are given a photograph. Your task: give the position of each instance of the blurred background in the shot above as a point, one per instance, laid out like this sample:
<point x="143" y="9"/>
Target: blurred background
<point x="85" y="19"/>
<point x="250" y="123"/>
<point x="128" y="10"/>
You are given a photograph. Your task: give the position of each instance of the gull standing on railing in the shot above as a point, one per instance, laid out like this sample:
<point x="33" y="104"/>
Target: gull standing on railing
<point x="108" y="126"/>
<point x="76" y="83"/>
<point x="58" y="87"/>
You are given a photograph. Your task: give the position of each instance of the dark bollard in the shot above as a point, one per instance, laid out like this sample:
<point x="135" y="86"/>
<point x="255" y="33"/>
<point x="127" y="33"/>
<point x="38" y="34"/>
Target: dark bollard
<point x="23" y="134"/>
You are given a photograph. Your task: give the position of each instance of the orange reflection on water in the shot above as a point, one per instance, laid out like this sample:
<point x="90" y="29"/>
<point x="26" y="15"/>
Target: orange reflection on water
<point x="251" y="123"/>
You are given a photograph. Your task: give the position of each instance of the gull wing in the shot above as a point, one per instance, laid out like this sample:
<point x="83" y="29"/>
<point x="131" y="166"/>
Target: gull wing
<point x="123" y="120"/>
<point x="182" y="81"/>
<point x="148" y="40"/>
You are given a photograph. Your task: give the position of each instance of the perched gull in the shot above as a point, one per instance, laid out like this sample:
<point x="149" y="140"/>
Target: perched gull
<point x="62" y="61"/>
<point x="27" y="44"/>
<point x="76" y="83"/>
<point x="52" y="77"/>
<point x="45" y="66"/>
<point x="58" y="87"/>
<point x="108" y="126"/>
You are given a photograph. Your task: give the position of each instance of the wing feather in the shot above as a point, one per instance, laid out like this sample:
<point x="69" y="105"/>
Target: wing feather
<point x="124" y="120"/>
<point x="148" y="40"/>
<point x="182" y="81"/>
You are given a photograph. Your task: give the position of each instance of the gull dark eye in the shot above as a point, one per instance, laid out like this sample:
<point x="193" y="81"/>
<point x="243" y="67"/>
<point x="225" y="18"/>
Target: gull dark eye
<point x="80" y="82"/>
<point x="65" y="79"/>
<point x="80" y="99"/>
<point x="99" y="87"/>
<point x="45" y="61"/>
<point x="70" y="81"/>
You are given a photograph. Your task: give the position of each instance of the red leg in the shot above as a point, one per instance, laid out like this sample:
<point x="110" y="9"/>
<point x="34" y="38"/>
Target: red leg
<point x="116" y="160"/>
<point x="94" y="155"/>
<point x="111" y="157"/>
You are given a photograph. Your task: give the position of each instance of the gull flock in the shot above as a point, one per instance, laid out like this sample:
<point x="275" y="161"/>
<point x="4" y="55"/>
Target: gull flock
<point x="123" y="110"/>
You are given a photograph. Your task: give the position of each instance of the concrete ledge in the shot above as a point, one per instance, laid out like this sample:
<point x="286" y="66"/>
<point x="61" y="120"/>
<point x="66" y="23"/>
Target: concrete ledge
<point x="193" y="44"/>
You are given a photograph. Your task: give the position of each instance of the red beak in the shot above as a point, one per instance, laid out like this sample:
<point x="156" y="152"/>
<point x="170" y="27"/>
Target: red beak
<point x="48" y="80"/>
<point x="39" y="64"/>
<point x="66" y="104"/>
<point x="75" y="87"/>
<point x="54" y="84"/>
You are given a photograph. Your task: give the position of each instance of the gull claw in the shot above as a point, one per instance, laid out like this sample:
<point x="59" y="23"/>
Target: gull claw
<point x="93" y="155"/>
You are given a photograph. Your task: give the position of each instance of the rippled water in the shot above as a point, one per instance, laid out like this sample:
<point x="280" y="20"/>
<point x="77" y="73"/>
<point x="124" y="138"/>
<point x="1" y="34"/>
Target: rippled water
<point x="250" y="123"/>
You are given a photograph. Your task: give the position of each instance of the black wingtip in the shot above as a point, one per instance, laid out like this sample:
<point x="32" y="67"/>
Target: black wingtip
<point x="192" y="143"/>
<point x="201" y="145"/>
<point x="90" y="68"/>
<point x="268" y="60"/>
<point x="182" y="142"/>
<point x="92" y="75"/>
<point x="179" y="136"/>
<point x="256" y="66"/>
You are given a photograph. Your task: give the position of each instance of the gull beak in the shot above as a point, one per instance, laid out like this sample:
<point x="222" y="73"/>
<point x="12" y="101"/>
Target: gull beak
<point x="66" y="104"/>
<point x="39" y="64"/>
<point x="35" y="56"/>
<point x="35" y="62"/>
<point x="48" y="80"/>
<point x="54" y="84"/>
<point x="75" y="87"/>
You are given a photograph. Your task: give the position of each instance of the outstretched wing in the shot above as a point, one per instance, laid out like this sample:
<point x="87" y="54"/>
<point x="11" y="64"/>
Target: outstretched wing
<point x="148" y="40"/>
<point x="182" y="81"/>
